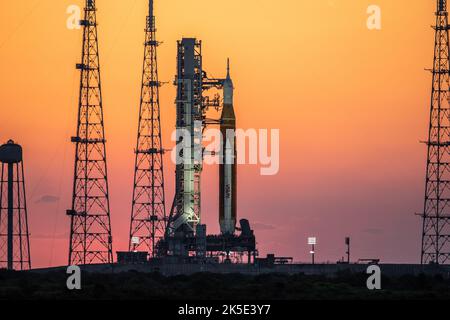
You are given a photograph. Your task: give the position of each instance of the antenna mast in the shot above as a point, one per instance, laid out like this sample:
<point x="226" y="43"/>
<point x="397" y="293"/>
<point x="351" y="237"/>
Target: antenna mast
<point x="436" y="214"/>
<point x="90" y="231"/>
<point x="148" y="214"/>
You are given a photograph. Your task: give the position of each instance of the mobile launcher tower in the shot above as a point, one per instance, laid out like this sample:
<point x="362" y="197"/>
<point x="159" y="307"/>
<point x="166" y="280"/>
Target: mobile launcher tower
<point x="185" y="234"/>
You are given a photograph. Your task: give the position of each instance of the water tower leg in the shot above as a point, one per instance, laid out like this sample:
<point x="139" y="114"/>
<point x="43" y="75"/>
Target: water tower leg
<point x="10" y="215"/>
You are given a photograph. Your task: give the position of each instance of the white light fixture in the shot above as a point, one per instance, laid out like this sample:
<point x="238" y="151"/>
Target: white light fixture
<point x="135" y="240"/>
<point x="312" y="240"/>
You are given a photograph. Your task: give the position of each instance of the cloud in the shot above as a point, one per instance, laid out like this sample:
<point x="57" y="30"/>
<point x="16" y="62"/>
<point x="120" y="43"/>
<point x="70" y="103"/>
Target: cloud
<point x="262" y="226"/>
<point x="47" y="199"/>
<point x="373" y="231"/>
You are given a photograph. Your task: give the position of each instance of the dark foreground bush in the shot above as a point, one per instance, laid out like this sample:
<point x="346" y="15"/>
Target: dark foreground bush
<point x="133" y="285"/>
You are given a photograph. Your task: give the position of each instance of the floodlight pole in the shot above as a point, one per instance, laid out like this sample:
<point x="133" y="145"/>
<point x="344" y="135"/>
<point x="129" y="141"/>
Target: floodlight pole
<point x="347" y="242"/>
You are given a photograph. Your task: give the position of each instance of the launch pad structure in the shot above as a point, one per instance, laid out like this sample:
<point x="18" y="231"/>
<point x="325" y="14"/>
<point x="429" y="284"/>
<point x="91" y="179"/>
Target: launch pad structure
<point x="181" y="234"/>
<point x="186" y="236"/>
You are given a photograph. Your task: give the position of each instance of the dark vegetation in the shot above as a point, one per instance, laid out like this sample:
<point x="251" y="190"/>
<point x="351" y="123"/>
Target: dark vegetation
<point x="133" y="285"/>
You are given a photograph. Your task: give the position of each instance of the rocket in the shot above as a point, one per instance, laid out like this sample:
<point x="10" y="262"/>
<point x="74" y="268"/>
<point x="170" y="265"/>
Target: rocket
<point x="227" y="166"/>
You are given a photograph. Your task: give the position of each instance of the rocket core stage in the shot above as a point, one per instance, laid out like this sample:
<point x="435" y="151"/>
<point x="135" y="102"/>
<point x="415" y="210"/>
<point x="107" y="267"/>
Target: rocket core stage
<point x="227" y="166"/>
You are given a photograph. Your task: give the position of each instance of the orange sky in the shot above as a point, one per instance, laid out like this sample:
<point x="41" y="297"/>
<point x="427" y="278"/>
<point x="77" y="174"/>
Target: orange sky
<point x="351" y="105"/>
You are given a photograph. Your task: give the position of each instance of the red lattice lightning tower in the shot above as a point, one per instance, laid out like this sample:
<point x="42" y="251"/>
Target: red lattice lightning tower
<point x="148" y="215"/>
<point x="90" y="232"/>
<point x="436" y="214"/>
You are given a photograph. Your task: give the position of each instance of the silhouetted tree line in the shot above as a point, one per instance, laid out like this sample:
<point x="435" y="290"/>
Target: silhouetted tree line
<point x="206" y="286"/>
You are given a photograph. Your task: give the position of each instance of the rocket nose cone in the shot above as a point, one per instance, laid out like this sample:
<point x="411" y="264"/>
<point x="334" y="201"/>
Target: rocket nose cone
<point x="228" y="87"/>
<point x="228" y="78"/>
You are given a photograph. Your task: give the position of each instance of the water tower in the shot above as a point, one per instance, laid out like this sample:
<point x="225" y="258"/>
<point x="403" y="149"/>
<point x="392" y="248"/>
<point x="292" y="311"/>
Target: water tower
<point x="14" y="236"/>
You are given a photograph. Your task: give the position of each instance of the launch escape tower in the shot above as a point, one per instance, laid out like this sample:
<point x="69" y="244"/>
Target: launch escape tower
<point x="14" y="236"/>
<point x="436" y="214"/>
<point x="148" y="214"/>
<point x="90" y="231"/>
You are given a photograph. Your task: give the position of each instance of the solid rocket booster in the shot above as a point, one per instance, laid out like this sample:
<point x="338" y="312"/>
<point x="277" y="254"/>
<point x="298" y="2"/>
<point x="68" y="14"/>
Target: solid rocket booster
<point x="227" y="166"/>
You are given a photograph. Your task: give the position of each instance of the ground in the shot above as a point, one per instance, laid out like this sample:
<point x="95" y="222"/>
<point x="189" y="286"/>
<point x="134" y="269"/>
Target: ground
<point x="206" y="286"/>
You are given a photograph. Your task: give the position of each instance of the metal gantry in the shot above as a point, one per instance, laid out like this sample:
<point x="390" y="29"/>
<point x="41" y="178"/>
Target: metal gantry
<point x="192" y="104"/>
<point x="90" y="232"/>
<point x="14" y="235"/>
<point x="148" y="214"/>
<point x="185" y="213"/>
<point x="436" y="214"/>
